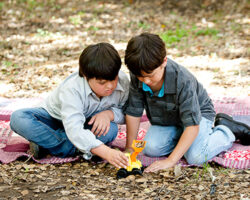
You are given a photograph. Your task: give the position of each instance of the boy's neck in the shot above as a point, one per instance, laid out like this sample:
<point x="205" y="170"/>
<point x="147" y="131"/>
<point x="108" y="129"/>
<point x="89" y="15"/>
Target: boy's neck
<point x="157" y="87"/>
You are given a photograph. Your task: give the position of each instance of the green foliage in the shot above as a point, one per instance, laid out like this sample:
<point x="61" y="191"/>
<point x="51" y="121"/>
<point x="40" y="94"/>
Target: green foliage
<point x="81" y="13"/>
<point x="170" y="36"/>
<point x="7" y="67"/>
<point x="236" y="27"/>
<point x="93" y="28"/>
<point x="30" y="5"/>
<point x="26" y="170"/>
<point x="207" y="31"/>
<point x="99" y="11"/>
<point x="45" y="33"/>
<point x="222" y="170"/>
<point x="76" y="19"/>
<point x="206" y="166"/>
<point x="143" y="25"/>
<point x="196" y="175"/>
<point x="7" y="63"/>
<point x="216" y="69"/>
<point x="1" y="5"/>
<point x="41" y="32"/>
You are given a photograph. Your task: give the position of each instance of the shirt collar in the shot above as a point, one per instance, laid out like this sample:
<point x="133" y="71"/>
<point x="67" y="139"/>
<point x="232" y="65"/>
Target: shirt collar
<point x="146" y="88"/>
<point x="169" y="80"/>
<point x="87" y="87"/>
<point x="119" y="86"/>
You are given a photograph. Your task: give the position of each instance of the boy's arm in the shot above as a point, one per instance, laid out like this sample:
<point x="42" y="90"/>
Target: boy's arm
<point x="114" y="157"/>
<point x="186" y="140"/>
<point x="132" y="124"/>
<point x="133" y="111"/>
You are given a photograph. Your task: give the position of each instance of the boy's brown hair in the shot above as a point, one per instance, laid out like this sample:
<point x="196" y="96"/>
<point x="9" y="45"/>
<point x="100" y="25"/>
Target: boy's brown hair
<point x="144" y="52"/>
<point x="100" y="61"/>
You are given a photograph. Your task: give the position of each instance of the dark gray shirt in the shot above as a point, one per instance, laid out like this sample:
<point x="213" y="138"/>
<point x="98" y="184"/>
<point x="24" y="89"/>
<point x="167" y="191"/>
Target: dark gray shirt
<point x="184" y="101"/>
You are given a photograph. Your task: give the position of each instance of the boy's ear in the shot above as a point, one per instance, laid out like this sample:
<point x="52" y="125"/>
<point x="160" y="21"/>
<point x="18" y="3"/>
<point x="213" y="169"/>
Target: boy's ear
<point x="165" y="59"/>
<point x="164" y="62"/>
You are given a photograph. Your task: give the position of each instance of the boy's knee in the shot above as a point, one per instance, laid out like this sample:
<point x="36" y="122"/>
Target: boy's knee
<point x="17" y="119"/>
<point x="194" y="159"/>
<point x="14" y="118"/>
<point x="151" y="150"/>
<point x="114" y="127"/>
<point x="111" y="135"/>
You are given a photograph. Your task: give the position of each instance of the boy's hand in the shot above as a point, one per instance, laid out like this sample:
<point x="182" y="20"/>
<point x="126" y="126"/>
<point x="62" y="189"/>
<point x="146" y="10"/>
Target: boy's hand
<point x="160" y="164"/>
<point x="114" y="157"/>
<point x="101" y="122"/>
<point x="117" y="158"/>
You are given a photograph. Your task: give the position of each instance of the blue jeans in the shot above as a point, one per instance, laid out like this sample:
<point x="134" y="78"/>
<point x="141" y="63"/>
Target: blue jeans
<point x="161" y="141"/>
<point x="36" y="125"/>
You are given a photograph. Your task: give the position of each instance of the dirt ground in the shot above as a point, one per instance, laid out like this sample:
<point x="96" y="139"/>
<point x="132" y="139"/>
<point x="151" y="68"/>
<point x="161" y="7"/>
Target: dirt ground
<point x="40" y="42"/>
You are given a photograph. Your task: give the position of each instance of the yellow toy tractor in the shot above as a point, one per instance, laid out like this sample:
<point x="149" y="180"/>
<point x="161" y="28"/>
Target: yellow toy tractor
<point x="135" y="167"/>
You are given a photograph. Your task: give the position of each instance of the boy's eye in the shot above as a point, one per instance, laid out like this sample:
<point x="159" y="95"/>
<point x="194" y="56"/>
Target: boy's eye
<point x="102" y="82"/>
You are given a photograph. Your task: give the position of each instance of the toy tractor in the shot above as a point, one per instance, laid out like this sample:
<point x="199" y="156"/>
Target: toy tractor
<point x="135" y="167"/>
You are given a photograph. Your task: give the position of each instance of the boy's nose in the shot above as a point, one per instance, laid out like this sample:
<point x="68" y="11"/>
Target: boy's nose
<point x="110" y="86"/>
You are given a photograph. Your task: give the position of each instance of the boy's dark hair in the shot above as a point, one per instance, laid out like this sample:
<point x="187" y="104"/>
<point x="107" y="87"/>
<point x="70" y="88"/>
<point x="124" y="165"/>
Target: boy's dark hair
<point x="144" y="52"/>
<point x="100" y="61"/>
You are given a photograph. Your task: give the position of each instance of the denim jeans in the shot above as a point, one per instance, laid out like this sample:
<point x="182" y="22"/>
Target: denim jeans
<point x="36" y="125"/>
<point x="161" y="141"/>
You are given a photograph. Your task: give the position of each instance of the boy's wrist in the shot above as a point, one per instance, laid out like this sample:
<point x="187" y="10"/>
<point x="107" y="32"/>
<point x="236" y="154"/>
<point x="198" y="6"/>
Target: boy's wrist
<point x="101" y="151"/>
<point x="172" y="159"/>
<point x="110" y="114"/>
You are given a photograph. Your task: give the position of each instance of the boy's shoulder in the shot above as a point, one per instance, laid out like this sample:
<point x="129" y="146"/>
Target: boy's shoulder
<point x="175" y="69"/>
<point x="123" y="80"/>
<point x="74" y="82"/>
<point x="173" y="65"/>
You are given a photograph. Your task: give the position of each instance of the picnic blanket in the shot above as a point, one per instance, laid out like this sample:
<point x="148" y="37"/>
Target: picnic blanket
<point x="13" y="146"/>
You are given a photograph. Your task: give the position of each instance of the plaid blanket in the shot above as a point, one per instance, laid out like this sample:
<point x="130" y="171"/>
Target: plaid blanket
<point x="13" y="146"/>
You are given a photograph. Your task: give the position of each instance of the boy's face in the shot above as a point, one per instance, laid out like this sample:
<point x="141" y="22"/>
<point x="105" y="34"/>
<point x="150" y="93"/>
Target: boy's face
<point x="155" y="77"/>
<point x="101" y="87"/>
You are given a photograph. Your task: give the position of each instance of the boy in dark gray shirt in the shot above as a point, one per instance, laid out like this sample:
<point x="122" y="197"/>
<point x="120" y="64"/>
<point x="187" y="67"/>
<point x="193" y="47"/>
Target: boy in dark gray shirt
<point x="177" y="106"/>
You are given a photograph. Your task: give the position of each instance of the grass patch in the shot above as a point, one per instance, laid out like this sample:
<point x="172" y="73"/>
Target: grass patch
<point x="207" y="31"/>
<point x="143" y="25"/>
<point x="76" y="19"/>
<point x="31" y="4"/>
<point x="7" y="63"/>
<point x="170" y="37"/>
<point x="1" y="5"/>
<point x="7" y="67"/>
<point x="45" y="33"/>
<point x="93" y="28"/>
<point x="178" y="35"/>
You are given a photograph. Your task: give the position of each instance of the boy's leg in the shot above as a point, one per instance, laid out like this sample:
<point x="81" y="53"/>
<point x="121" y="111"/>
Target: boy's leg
<point x="36" y="125"/>
<point x="209" y="142"/>
<point x="161" y="140"/>
<point x="110" y="136"/>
